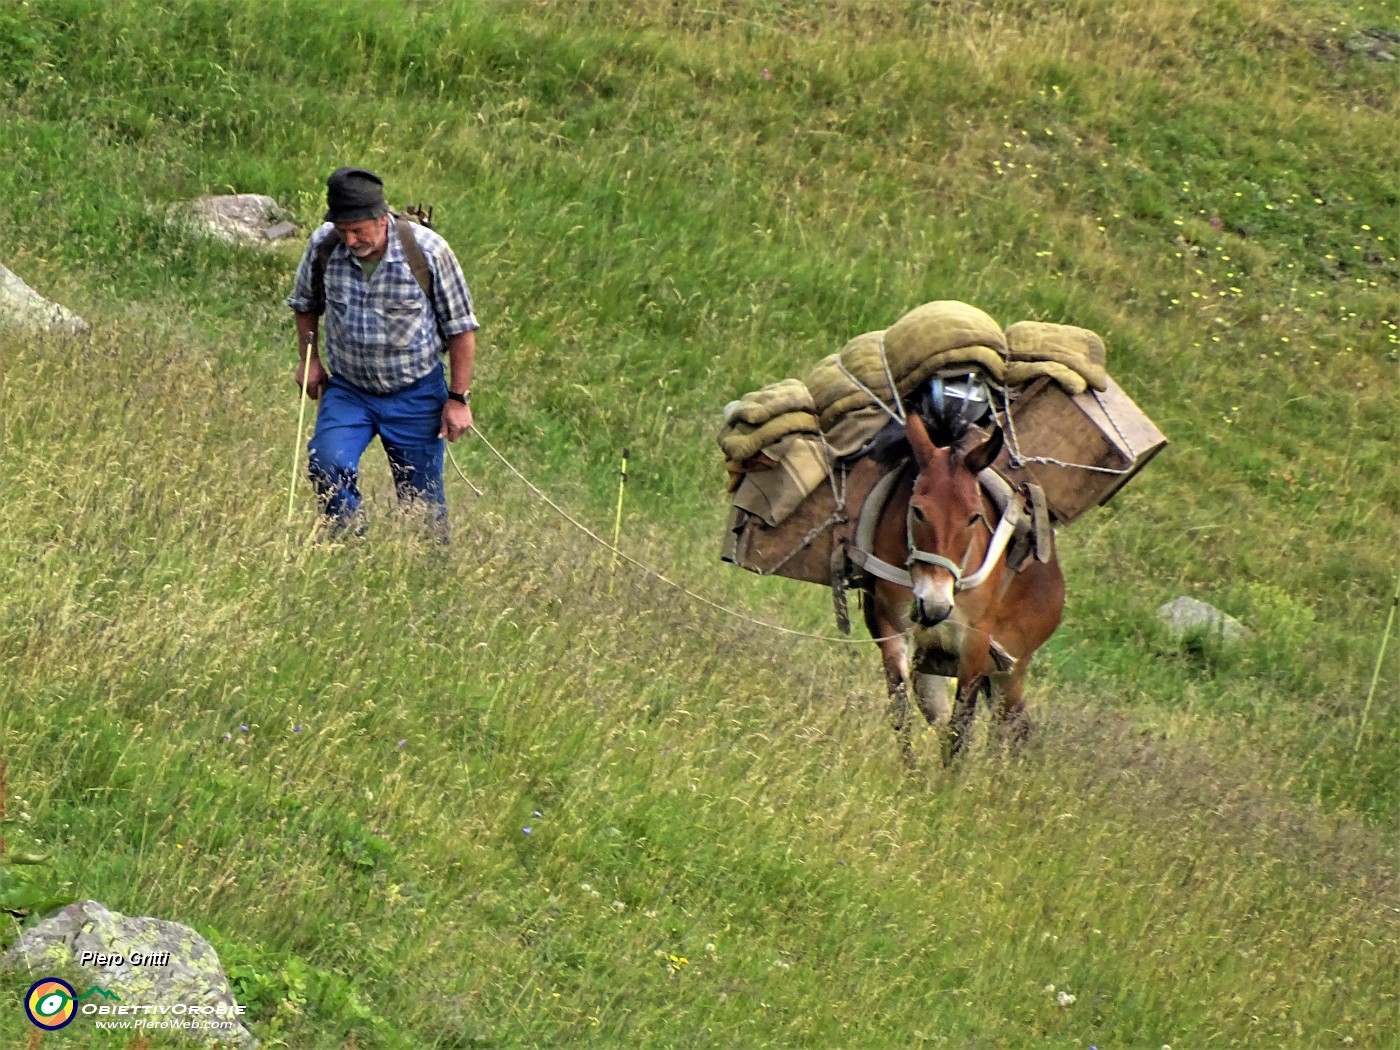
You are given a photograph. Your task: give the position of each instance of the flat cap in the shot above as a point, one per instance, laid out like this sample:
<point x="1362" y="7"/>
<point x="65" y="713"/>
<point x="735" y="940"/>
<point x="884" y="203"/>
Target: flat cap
<point x="353" y="194"/>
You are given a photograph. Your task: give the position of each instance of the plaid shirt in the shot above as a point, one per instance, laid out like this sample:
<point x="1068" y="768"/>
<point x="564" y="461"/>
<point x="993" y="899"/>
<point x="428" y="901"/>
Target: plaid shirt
<point x="383" y="334"/>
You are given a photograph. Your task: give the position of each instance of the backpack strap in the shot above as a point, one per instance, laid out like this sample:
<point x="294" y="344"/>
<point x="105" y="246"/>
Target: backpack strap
<point x="412" y="253"/>
<point x="318" y="269"/>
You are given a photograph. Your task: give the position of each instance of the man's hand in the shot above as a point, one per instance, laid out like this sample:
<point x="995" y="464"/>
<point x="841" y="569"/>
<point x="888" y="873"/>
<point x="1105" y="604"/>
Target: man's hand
<point x="456" y="420"/>
<point x="315" y="380"/>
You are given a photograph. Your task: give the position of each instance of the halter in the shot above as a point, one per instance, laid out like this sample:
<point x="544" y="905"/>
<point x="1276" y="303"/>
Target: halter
<point x="1001" y="536"/>
<point x="915" y="554"/>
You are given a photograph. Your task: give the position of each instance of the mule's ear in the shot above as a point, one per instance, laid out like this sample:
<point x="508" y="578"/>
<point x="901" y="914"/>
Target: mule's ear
<point x="981" y="457"/>
<point x="919" y="441"/>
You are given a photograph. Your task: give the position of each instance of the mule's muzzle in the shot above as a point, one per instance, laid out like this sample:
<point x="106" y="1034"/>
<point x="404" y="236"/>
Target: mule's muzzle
<point x="929" y="611"/>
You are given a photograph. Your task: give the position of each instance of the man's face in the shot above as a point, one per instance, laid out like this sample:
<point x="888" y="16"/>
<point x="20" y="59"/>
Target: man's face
<point x="366" y="238"/>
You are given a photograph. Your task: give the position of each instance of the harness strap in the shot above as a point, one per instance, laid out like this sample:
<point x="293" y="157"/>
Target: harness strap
<point x="1000" y="538"/>
<point x="878" y="567"/>
<point x="1041" y="530"/>
<point x="861" y="552"/>
<point x="874" y="506"/>
<point x="997" y="487"/>
<point x="1006" y="528"/>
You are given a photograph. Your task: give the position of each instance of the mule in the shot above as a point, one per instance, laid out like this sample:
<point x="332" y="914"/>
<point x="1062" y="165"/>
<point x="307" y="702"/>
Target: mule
<point x="966" y="617"/>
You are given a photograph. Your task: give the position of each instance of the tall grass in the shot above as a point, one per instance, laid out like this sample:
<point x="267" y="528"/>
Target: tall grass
<point x="326" y="756"/>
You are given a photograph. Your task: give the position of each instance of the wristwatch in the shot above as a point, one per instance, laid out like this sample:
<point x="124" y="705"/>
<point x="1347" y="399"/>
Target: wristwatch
<point x="461" y="398"/>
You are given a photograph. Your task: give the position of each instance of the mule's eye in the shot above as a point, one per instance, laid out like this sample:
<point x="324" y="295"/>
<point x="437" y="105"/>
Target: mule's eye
<point x="916" y="513"/>
<point x="973" y="520"/>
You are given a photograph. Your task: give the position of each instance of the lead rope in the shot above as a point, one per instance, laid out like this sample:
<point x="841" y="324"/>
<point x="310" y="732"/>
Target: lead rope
<point x="646" y="568"/>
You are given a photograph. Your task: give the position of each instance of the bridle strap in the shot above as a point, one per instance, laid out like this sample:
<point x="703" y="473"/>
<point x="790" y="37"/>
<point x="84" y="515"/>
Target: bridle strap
<point x="1001" y="537"/>
<point x="934" y="559"/>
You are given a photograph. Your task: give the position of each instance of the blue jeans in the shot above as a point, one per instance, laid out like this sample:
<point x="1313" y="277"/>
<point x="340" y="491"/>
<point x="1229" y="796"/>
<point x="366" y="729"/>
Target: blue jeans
<point x="407" y="424"/>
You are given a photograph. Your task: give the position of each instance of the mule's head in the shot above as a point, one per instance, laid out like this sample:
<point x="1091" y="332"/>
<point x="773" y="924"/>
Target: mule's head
<point x="945" y="512"/>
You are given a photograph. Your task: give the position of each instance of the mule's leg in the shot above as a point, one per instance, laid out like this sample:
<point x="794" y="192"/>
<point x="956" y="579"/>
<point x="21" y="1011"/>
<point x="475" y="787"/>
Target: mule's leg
<point x="964" y="707"/>
<point x="894" y="655"/>
<point x="1009" y="703"/>
<point x="934" y="693"/>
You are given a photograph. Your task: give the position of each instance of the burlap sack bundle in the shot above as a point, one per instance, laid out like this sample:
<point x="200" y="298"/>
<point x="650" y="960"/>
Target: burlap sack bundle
<point x="828" y="384"/>
<point x="775" y="399"/>
<point x="1019" y="373"/>
<point x="937" y="337"/>
<point x="935" y="329"/>
<point x="985" y="359"/>
<point x="1074" y="350"/>
<point x="801" y="468"/>
<point x="741" y="440"/>
<point x="846" y="435"/>
<point x="865" y="363"/>
<point x="962" y="359"/>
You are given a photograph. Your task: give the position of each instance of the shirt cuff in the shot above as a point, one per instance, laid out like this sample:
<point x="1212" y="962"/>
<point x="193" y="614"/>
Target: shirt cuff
<point x="303" y="305"/>
<point x="451" y="328"/>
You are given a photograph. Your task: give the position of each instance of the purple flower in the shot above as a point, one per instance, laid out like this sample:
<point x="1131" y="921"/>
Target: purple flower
<point x="539" y="815"/>
<point x="244" y="728"/>
<point x="766" y="75"/>
<point x="527" y="830"/>
<point x="228" y="736"/>
<point x="403" y="743"/>
<point x="296" y="729"/>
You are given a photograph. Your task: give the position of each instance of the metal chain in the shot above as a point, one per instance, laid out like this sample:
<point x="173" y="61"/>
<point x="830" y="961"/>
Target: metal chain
<point x="805" y="542"/>
<point x="1009" y="426"/>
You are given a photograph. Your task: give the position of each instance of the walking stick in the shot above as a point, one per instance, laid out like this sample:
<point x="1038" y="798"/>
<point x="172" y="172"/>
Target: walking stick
<point x="1376" y="675"/>
<point x="617" y="523"/>
<point x="301" y="422"/>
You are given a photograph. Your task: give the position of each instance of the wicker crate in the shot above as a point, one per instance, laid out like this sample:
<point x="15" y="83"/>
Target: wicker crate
<point x="1097" y="440"/>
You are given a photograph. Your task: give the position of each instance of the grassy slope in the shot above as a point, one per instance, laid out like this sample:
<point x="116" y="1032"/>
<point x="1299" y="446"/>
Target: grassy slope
<point x="725" y="852"/>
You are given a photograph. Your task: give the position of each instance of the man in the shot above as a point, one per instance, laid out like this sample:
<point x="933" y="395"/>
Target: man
<point x="394" y="301"/>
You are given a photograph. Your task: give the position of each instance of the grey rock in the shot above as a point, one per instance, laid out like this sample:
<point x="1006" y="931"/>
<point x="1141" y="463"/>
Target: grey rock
<point x="1374" y="42"/>
<point x="281" y="230"/>
<point x="186" y="971"/>
<point x="22" y="307"/>
<point x="1184" y="614"/>
<point x="239" y="218"/>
